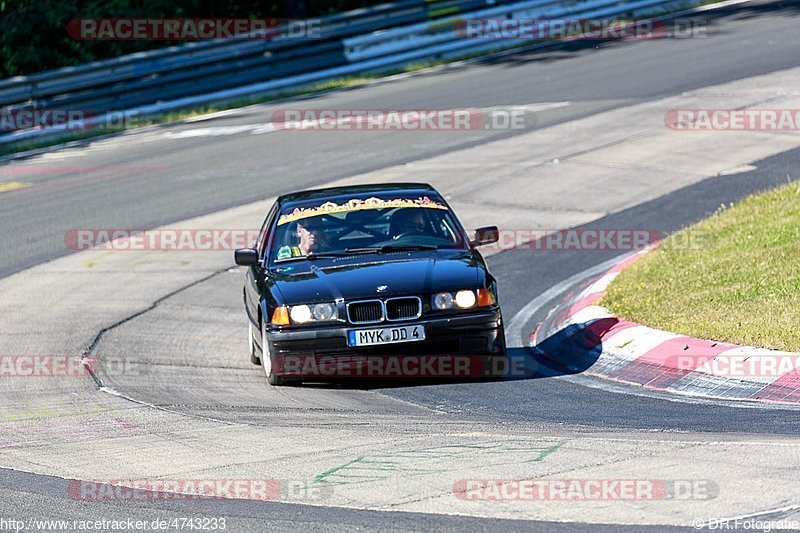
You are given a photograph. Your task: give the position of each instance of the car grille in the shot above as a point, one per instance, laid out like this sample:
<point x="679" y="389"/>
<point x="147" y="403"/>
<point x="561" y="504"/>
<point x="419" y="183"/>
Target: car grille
<point x="365" y="312"/>
<point x="393" y="309"/>
<point x="403" y="308"/>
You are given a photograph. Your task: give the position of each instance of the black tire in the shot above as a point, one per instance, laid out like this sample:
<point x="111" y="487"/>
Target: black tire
<point x="254" y="358"/>
<point x="501" y="341"/>
<point x="266" y="359"/>
<point x="497" y="371"/>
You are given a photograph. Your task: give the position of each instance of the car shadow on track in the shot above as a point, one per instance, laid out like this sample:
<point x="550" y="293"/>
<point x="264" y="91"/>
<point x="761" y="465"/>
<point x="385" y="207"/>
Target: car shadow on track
<point x="569" y="351"/>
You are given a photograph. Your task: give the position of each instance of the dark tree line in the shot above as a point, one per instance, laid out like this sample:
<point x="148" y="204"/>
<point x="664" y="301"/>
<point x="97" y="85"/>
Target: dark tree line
<point x="33" y="34"/>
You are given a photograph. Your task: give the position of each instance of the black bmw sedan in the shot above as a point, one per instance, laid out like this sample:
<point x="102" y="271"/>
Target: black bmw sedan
<point x="369" y="280"/>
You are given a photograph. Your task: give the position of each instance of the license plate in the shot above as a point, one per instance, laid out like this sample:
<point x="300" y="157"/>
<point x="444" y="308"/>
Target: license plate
<point x="373" y="336"/>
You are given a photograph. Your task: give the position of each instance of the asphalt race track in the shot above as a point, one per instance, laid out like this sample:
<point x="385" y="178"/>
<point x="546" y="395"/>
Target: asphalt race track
<point x="193" y="403"/>
<point x="149" y="181"/>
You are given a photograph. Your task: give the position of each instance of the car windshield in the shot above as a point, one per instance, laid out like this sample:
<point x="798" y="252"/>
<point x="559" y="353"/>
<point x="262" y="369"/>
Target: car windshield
<point x="364" y="225"/>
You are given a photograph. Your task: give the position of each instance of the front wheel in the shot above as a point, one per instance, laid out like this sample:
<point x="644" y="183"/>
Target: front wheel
<point x="251" y="343"/>
<point x="266" y="359"/>
<point x="501" y="342"/>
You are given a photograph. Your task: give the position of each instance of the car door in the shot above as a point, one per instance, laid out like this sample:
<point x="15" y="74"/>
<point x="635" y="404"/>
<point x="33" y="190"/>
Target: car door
<point x="255" y="278"/>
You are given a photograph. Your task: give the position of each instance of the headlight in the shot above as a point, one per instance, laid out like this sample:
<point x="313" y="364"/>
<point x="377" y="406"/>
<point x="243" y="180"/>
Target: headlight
<point x="465" y="299"/>
<point x="443" y="300"/>
<point x="323" y="311"/>
<point x="301" y="314"/>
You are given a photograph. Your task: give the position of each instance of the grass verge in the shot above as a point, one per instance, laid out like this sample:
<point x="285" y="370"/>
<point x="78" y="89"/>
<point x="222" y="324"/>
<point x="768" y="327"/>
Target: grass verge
<point x="739" y="284"/>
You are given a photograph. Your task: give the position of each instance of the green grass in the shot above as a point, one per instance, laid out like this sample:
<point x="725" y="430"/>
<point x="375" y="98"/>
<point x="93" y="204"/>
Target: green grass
<point x="739" y="283"/>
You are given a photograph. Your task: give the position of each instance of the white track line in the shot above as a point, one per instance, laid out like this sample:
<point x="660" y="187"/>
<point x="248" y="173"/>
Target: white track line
<point x="515" y="325"/>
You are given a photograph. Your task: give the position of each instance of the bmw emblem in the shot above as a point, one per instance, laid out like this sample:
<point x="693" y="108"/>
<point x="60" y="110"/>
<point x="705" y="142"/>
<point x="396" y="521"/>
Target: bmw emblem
<point x="382" y="288"/>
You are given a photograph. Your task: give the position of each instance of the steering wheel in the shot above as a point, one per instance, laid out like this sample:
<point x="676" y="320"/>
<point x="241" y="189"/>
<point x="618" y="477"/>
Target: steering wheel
<point x="406" y="234"/>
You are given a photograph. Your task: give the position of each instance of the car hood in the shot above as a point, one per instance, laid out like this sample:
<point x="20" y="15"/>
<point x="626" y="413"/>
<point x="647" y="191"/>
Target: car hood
<point x="353" y="278"/>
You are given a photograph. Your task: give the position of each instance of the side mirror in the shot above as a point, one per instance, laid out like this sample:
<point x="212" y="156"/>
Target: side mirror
<point x="245" y="257"/>
<point x="486" y="235"/>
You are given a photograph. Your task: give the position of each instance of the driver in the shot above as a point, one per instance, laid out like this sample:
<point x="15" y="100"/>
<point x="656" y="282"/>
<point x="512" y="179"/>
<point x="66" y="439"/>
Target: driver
<point x="309" y="236"/>
<point x="407" y="221"/>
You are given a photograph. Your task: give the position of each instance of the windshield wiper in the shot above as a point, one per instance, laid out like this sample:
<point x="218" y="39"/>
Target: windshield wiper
<point x="365" y="250"/>
<point x="310" y="257"/>
<point x="391" y="248"/>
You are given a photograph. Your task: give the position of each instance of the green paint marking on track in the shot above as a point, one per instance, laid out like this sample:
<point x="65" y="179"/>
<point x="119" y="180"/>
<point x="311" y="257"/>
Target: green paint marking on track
<point x="321" y="477"/>
<point x="433" y="460"/>
<point x="547" y="452"/>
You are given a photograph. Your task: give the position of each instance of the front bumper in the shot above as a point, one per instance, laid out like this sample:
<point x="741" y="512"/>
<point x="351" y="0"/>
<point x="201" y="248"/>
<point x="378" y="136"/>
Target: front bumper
<point x="302" y="352"/>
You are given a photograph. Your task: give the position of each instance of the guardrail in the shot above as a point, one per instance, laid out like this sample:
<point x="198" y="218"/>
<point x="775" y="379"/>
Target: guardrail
<point x="201" y="58"/>
<point x="365" y="40"/>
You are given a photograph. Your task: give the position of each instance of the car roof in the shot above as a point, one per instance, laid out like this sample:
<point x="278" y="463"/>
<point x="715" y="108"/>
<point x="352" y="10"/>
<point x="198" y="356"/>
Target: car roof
<point x="349" y="190"/>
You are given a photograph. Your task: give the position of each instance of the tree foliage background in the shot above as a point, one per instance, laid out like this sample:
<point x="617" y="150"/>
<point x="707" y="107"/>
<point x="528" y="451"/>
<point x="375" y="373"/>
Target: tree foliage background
<point x="33" y="34"/>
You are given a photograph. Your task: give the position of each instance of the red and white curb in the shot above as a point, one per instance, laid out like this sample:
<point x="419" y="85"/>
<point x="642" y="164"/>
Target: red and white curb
<point x="585" y="337"/>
